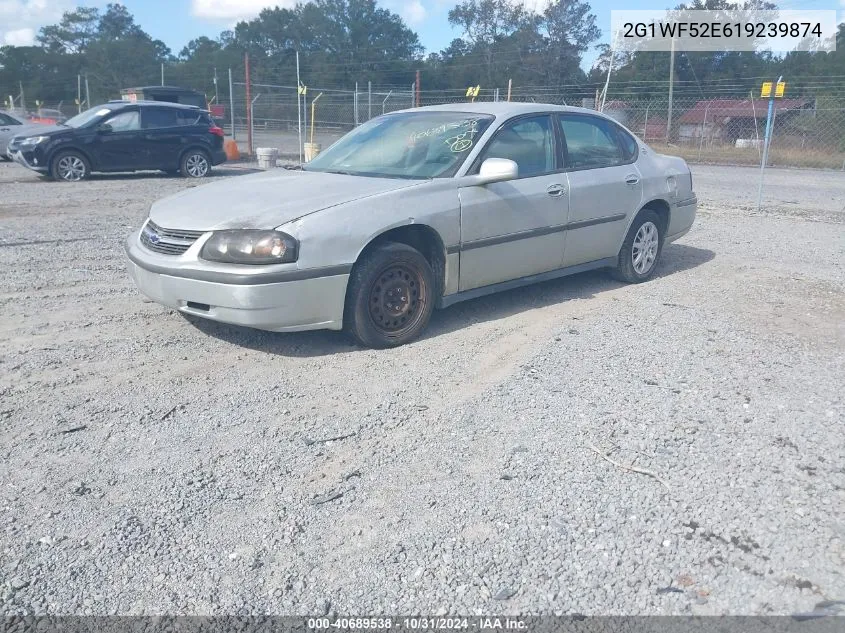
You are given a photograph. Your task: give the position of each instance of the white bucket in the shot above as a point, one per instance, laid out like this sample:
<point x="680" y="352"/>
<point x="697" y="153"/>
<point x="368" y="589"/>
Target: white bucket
<point x="311" y="150"/>
<point x="267" y="157"/>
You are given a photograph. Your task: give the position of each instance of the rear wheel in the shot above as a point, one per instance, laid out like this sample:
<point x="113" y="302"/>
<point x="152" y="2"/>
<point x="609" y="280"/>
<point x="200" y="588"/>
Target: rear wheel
<point x="70" y="166"/>
<point x="641" y="249"/>
<point x="390" y="297"/>
<point x="195" y="164"/>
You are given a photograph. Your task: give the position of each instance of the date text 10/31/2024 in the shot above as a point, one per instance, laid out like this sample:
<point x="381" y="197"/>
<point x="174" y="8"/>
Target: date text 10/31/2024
<point x="418" y="624"/>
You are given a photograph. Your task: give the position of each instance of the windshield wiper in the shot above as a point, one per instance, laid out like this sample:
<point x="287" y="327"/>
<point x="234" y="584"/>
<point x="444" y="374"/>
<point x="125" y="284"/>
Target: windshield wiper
<point x="293" y="167"/>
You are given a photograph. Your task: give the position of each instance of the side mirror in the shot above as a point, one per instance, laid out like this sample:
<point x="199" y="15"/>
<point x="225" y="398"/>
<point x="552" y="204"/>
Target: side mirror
<point x="493" y="170"/>
<point x="104" y="128"/>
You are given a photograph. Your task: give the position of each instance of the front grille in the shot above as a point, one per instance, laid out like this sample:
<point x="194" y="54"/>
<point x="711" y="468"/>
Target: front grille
<point x="167" y="241"/>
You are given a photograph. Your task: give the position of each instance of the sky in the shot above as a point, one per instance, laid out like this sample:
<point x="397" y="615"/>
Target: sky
<point x="176" y="22"/>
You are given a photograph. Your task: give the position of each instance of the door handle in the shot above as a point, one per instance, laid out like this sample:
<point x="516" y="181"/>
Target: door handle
<point x="632" y="179"/>
<point x="555" y="190"/>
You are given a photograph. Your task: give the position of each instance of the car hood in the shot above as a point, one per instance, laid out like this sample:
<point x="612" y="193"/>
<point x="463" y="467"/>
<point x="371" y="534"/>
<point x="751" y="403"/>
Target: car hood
<point x="266" y="200"/>
<point x="39" y="129"/>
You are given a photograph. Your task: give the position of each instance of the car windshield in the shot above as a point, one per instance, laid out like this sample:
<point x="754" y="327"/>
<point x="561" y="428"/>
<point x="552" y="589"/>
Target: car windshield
<point x="406" y="145"/>
<point x="86" y="117"/>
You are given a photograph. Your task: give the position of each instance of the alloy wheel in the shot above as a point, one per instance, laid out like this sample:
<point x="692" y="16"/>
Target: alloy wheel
<point x="197" y="165"/>
<point x="644" y="251"/>
<point x="71" y="168"/>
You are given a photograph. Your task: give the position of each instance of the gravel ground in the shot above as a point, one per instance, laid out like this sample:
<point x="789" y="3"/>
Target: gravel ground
<point x="152" y="464"/>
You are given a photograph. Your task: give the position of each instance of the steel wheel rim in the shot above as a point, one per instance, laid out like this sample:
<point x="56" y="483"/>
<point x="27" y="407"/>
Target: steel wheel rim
<point x="197" y="165"/>
<point x="71" y="168"/>
<point x="396" y="299"/>
<point x="644" y="251"/>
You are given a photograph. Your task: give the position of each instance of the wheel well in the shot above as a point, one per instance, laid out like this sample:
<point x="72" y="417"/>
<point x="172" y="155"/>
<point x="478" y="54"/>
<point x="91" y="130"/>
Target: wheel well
<point x="63" y="150"/>
<point x="424" y="239"/>
<point x="193" y="147"/>
<point x="661" y="208"/>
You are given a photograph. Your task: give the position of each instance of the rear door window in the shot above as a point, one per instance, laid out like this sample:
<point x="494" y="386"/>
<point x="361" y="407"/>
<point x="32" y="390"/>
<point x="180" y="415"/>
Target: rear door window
<point x="189" y="117"/>
<point x="7" y="120"/>
<point x="590" y="142"/>
<point x="159" y="117"/>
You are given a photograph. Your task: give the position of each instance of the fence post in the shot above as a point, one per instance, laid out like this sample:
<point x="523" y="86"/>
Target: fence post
<point x="645" y="125"/>
<point x="355" y="103"/>
<point x="385" y="101"/>
<point x="248" y="106"/>
<point x="232" y="104"/>
<point x="413" y="96"/>
<point x="369" y="100"/>
<point x="703" y="128"/>
<point x="417" y="82"/>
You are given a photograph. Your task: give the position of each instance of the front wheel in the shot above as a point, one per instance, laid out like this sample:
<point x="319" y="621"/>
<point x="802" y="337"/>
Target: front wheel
<point x="390" y="297"/>
<point x="195" y="164"/>
<point x="641" y="249"/>
<point x="70" y="167"/>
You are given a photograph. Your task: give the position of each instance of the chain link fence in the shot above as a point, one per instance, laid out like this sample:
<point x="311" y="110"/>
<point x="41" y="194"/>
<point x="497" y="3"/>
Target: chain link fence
<point x="807" y="130"/>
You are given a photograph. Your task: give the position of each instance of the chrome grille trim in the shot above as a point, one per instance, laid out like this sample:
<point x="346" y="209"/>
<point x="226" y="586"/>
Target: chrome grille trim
<point x="167" y="241"/>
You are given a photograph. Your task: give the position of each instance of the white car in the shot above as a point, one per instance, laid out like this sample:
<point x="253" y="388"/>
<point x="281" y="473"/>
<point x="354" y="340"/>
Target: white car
<point x="12" y="125"/>
<point x="412" y="210"/>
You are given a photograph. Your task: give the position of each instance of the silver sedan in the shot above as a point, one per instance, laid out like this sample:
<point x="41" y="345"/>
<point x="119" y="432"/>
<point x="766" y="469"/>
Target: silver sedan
<point x="415" y="210"/>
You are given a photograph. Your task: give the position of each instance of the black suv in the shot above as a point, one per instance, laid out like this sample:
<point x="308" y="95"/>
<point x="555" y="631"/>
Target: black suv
<point x="124" y="136"/>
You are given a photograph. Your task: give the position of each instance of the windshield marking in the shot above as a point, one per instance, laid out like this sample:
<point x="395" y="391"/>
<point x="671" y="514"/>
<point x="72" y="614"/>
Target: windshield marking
<point x="461" y="143"/>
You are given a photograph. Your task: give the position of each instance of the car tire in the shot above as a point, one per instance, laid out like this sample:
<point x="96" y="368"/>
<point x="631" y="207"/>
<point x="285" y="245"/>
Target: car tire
<point x="390" y="296"/>
<point x="195" y="164"/>
<point x="69" y="166"/>
<point x="640" y="252"/>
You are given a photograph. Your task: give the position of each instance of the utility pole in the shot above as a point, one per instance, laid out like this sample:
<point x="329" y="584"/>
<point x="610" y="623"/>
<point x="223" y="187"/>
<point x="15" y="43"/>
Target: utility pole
<point x="671" y="87"/>
<point x="162" y="73"/>
<point x="216" y="98"/>
<point x="78" y="93"/>
<point x="87" y="93"/>
<point x="23" y="99"/>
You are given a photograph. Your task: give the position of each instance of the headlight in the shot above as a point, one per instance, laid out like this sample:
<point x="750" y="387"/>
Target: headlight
<point x="250" y="247"/>
<point x="34" y="140"/>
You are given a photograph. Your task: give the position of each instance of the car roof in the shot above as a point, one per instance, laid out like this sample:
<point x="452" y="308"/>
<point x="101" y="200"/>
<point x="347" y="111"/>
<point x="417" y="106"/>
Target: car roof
<point x="141" y="102"/>
<point x="502" y="109"/>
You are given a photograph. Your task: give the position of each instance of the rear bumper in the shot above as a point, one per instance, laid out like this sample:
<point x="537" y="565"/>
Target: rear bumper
<point x="681" y="217"/>
<point x="288" y="306"/>
<point x="218" y="157"/>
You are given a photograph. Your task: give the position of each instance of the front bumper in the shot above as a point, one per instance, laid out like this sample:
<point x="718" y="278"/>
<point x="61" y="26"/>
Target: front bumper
<point x="27" y="159"/>
<point x="313" y="303"/>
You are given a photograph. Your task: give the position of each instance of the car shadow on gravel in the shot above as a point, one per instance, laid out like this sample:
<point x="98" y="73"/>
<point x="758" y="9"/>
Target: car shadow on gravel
<point x="217" y="172"/>
<point x="676" y="258"/>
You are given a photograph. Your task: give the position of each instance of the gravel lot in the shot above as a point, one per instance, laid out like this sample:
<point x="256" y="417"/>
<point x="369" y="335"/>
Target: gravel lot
<point x="152" y="464"/>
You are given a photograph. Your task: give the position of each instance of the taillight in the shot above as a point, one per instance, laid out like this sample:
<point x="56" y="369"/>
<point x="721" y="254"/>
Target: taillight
<point x="217" y="131"/>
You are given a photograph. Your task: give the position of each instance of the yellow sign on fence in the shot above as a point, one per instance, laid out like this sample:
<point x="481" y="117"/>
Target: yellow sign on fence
<point x="780" y="88"/>
<point x="767" y="89"/>
<point x="303" y="89"/>
<point x="473" y="91"/>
